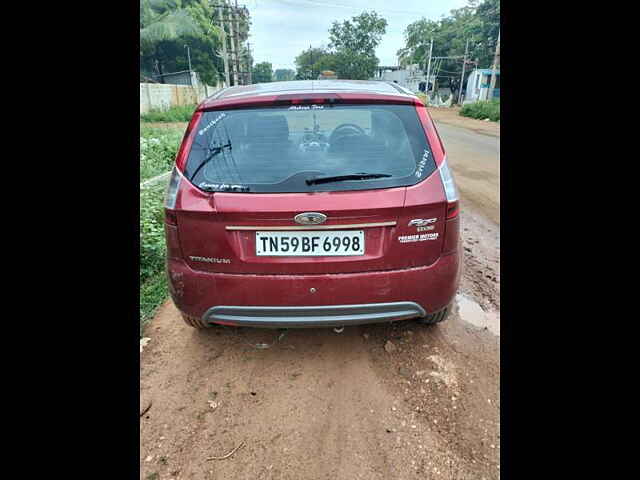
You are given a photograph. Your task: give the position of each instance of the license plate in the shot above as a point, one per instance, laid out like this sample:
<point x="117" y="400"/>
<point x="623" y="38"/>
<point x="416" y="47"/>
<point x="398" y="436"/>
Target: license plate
<point x="310" y="243"/>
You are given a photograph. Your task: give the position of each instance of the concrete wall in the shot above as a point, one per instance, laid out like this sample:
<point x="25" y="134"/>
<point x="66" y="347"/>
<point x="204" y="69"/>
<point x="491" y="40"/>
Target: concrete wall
<point x="162" y="96"/>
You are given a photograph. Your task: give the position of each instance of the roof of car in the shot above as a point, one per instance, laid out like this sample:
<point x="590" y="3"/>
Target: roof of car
<point x="264" y="93"/>
<point x="314" y="86"/>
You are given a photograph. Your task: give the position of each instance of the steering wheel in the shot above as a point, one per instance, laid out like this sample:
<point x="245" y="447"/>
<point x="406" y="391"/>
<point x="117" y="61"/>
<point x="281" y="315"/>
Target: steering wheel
<point x="345" y="129"/>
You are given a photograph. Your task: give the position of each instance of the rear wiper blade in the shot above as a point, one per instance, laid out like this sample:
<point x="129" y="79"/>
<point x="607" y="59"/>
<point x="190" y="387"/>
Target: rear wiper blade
<point x="340" y="178"/>
<point x="214" y="151"/>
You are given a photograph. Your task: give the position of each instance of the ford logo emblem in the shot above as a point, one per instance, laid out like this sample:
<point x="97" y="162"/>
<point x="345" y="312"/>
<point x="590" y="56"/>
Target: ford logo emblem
<point x="310" y="218"/>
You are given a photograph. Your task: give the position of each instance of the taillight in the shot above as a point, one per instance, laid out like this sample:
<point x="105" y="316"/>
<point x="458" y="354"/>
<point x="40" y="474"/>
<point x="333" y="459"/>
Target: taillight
<point x="453" y="209"/>
<point x="450" y="190"/>
<point x="452" y="223"/>
<point x="187" y="140"/>
<point x="171" y="193"/>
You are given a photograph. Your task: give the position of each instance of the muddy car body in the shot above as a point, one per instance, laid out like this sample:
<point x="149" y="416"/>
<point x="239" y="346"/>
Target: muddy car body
<point x="312" y="203"/>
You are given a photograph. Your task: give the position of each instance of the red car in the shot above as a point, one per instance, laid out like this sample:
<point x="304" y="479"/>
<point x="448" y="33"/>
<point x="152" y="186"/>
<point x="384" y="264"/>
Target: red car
<point x="312" y="203"/>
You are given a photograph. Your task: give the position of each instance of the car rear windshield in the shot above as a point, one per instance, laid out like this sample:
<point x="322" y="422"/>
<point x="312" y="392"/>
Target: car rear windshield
<point x="306" y="148"/>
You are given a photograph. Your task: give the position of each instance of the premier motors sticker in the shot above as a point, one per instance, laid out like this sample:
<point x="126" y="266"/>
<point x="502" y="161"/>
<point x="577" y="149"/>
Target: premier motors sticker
<point x="423" y="237"/>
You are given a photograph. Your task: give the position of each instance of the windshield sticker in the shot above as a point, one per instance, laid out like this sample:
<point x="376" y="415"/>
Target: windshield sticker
<point x="306" y="107"/>
<point x="418" y="238"/>
<point x="222" y="187"/>
<point x="422" y="163"/>
<point x="212" y="123"/>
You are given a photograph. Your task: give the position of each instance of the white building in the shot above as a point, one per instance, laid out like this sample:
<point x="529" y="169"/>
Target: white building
<point x="409" y="78"/>
<point x="478" y="85"/>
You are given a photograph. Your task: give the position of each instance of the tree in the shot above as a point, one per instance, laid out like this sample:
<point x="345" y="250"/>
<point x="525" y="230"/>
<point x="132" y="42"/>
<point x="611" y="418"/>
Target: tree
<point x="478" y="23"/>
<point x="167" y="53"/>
<point x="361" y="34"/>
<point x="311" y="62"/>
<point x="262" y="73"/>
<point x="351" y="53"/>
<point x="163" y="20"/>
<point x="353" y="43"/>
<point x="283" y="75"/>
<point x="488" y="13"/>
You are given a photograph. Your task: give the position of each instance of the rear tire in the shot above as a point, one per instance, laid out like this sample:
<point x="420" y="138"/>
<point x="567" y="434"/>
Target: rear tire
<point x="436" y="317"/>
<point x="194" y="322"/>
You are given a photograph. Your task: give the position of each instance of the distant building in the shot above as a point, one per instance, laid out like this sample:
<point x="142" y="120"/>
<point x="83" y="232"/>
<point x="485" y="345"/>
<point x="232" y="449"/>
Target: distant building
<point x="185" y="77"/>
<point x="478" y="85"/>
<point x="327" y="75"/>
<point x="411" y="77"/>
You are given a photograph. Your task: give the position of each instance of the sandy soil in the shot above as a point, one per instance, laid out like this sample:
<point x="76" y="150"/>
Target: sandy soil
<point x="392" y="401"/>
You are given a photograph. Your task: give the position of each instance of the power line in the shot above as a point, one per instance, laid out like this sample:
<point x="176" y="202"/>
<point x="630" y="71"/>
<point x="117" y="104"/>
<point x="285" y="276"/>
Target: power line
<point x="351" y="7"/>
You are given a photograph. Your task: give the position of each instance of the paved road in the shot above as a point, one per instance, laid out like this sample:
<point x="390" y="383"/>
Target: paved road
<point x="475" y="160"/>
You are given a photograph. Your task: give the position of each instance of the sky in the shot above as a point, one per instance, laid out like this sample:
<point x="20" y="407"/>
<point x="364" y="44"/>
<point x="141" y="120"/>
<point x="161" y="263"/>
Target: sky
<point x="281" y="29"/>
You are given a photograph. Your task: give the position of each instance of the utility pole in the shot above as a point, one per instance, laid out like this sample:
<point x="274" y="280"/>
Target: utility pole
<point x="236" y="57"/>
<point x="429" y="67"/>
<point x="224" y="48"/>
<point x="236" y="40"/>
<point x="464" y="64"/>
<point x="234" y="53"/>
<point x="496" y="62"/>
<point x="249" y="63"/>
<point x="189" y="57"/>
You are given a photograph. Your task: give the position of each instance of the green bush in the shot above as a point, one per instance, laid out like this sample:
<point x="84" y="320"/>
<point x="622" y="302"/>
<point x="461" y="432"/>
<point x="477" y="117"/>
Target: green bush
<point x="482" y="110"/>
<point x="158" y="149"/>
<point x="152" y="294"/>
<point x="153" y="285"/>
<point x="181" y="113"/>
<point x="423" y="97"/>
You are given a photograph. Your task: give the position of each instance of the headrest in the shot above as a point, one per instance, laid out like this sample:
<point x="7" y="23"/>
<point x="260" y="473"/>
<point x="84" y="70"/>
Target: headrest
<point x="268" y="131"/>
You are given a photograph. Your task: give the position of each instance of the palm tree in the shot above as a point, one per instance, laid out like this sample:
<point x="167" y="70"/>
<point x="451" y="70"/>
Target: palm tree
<point x="162" y="20"/>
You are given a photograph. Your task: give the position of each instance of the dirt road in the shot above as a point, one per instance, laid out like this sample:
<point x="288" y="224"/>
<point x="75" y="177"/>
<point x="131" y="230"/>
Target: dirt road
<point x="315" y="404"/>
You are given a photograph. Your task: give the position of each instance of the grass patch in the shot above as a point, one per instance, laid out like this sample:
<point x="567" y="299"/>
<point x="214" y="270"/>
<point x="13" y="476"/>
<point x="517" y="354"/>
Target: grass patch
<point x="158" y="149"/>
<point x="482" y="110"/>
<point x="181" y="113"/>
<point x="152" y="294"/>
<point x="153" y="282"/>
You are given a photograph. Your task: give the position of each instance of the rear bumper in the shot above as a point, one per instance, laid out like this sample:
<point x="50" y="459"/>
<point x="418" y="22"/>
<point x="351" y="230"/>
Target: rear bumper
<point x="315" y="316"/>
<point x="316" y="299"/>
